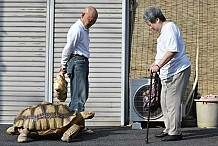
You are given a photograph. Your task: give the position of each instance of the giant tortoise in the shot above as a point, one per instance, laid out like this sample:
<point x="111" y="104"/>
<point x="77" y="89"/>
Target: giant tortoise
<point x="49" y="118"/>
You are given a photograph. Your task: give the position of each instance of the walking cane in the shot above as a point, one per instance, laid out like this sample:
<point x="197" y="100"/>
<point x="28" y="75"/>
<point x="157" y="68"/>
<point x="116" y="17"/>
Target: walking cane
<point x="149" y="98"/>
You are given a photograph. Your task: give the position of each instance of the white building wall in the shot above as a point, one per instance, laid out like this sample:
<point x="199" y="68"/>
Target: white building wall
<point x="32" y="37"/>
<point x="22" y="55"/>
<point x="106" y="54"/>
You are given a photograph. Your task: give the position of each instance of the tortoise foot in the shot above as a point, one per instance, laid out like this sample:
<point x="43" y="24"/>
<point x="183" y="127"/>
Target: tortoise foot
<point x="22" y="139"/>
<point x="11" y="131"/>
<point x="65" y="138"/>
<point x="23" y="135"/>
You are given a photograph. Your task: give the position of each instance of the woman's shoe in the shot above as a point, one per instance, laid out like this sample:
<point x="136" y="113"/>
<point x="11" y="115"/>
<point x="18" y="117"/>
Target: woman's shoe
<point x="172" y="137"/>
<point x="162" y="134"/>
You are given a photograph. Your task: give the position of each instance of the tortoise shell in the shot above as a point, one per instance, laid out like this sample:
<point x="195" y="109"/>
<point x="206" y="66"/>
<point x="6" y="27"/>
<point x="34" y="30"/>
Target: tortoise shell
<point x="45" y="118"/>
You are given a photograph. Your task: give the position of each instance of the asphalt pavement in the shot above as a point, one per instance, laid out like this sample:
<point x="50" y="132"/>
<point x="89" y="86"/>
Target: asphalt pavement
<point x="118" y="136"/>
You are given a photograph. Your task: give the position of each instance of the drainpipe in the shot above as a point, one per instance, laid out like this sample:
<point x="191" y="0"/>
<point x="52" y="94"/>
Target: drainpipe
<point x="49" y="52"/>
<point x="125" y="63"/>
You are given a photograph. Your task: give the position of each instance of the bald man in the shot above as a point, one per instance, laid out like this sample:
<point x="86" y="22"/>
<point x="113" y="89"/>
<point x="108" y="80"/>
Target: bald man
<point x="75" y="58"/>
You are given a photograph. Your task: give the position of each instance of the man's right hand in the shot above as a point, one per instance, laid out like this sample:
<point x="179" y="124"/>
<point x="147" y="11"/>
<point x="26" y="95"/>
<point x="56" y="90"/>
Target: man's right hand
<point x="63" y="70"/>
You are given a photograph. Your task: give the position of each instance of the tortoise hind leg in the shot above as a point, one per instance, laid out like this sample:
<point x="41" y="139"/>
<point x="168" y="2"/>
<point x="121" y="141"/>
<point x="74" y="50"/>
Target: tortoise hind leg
<point x="71" y="133"/>
<point x="11" y="130"/>
<point x="23" y="135"/>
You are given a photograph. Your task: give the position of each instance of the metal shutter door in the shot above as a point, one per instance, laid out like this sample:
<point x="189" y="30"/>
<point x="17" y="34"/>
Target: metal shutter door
<point x="105" y="61"/>
<point x="22" y="55"/>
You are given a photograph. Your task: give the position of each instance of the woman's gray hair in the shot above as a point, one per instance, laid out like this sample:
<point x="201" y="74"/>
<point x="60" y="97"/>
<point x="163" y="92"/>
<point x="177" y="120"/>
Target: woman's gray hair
<point x="152" y="13"/>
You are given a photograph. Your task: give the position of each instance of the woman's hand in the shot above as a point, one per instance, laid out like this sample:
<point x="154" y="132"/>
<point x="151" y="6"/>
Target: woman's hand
<point x="166" y="58"/>
<point x="154" y="68"/>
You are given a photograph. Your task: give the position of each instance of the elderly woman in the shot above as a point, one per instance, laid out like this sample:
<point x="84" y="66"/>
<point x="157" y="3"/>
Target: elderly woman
<point x="174" y="66"/>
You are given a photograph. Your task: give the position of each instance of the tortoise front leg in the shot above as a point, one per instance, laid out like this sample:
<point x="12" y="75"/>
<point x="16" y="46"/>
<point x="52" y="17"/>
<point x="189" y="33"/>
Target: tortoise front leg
<point x="70" y="133"/>
<point x="23" y="135"/>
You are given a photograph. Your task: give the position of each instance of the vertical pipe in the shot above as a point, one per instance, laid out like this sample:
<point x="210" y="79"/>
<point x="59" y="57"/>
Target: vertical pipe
<point x="125" y="62"/>
<point x="49" y="51"/>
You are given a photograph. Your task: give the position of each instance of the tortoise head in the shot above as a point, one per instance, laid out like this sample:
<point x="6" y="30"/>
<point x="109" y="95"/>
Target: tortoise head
<point x="87" y="115"/>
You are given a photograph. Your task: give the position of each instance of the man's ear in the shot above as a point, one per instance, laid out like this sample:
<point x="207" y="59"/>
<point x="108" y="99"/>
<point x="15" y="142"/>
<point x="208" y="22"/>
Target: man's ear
<point x="82" y="14"/>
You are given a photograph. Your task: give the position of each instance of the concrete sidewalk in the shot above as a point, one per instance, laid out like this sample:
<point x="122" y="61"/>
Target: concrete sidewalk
<point x="118" y="136"/>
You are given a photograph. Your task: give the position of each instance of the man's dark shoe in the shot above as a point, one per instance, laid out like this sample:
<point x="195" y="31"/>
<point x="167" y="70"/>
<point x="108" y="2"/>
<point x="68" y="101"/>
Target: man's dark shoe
<point x="162" y="134"/>
<point x="172" y="137"/>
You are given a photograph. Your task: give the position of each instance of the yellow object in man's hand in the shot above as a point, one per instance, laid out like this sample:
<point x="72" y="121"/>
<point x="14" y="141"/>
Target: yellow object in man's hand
<point x="60" y="87"/>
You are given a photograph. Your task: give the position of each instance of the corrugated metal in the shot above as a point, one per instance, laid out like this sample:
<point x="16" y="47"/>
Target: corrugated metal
<point x="106" y="51"/>
<point x="22" y="55"/>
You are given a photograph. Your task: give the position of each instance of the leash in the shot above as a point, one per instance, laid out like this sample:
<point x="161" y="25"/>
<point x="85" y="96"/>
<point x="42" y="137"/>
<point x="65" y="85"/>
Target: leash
<point x="149" y="106"/>
<point x="154" y="92"/>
